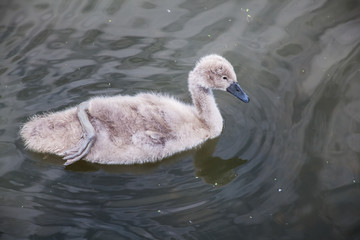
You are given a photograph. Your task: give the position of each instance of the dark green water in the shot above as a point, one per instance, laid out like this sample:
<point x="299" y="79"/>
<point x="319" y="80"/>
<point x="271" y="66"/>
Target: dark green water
<point x="287" y="165"/>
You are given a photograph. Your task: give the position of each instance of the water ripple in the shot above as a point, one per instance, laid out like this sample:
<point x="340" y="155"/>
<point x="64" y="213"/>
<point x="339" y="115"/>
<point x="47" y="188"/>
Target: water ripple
<point x="286" y="164"/>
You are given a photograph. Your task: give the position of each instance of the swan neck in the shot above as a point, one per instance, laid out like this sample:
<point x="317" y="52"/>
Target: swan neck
<point x="204" y="103"/>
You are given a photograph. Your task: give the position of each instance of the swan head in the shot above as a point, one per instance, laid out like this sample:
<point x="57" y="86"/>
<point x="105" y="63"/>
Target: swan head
<point x="215" y="72"/>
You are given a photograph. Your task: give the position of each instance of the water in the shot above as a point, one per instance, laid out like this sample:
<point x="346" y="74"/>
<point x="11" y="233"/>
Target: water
<point x="286" y="166"/>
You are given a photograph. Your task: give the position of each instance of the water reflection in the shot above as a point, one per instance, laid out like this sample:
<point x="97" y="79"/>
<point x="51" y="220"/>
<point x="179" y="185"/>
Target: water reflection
<point x="285" y="166"/>
<point x="215" y="170"/>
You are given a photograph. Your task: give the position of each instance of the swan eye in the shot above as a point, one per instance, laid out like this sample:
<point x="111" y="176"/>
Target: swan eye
<point x="225" y="78"/>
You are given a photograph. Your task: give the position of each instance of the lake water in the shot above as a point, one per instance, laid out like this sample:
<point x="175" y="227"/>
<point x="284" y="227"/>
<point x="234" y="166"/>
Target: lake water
<point x="287" y="165"/>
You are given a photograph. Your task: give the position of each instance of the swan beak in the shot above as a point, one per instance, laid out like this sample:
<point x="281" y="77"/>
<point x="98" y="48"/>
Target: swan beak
<point x="236" y="90"/>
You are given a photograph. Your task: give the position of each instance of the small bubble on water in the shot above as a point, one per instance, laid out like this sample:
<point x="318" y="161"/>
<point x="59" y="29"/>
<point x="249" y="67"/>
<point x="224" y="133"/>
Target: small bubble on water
<point x="248" y="17"/>
<point x="279" y="190"/>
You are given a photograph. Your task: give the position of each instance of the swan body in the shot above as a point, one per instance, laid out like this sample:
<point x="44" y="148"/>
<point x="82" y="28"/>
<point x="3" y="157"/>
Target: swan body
<point x="136" y="129"/>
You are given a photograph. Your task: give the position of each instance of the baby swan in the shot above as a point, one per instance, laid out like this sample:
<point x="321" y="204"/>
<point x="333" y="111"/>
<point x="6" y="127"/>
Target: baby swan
<point x="136" y="129"/>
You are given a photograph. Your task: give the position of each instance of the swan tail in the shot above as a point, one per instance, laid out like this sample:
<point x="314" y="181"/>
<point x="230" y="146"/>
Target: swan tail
<point x="52" y="132"/>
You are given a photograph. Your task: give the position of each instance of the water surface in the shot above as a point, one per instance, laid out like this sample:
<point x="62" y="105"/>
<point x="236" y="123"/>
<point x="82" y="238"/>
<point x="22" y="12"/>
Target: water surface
<point x="286" y="166"/>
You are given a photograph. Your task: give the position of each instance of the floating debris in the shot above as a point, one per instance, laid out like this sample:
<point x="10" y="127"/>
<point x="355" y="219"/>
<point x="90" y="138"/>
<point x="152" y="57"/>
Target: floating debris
<point x="248" y="15"/>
